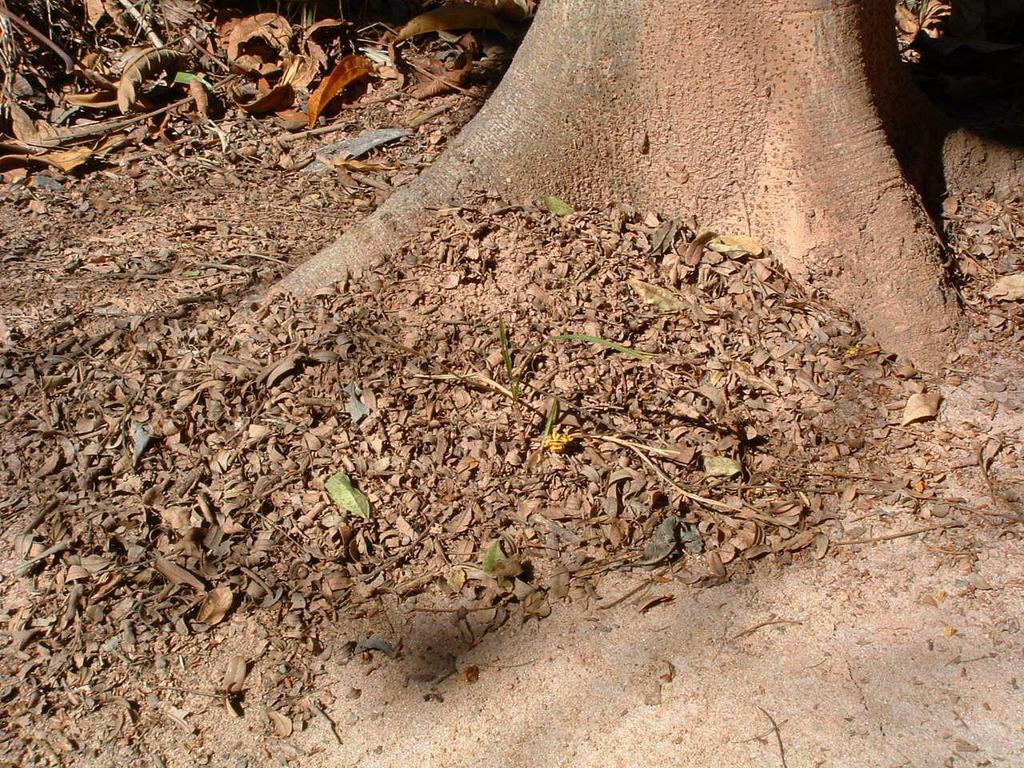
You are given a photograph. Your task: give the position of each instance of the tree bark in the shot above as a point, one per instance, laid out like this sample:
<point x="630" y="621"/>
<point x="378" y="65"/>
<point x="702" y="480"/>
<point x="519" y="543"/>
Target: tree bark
<point x="786" y="119"/>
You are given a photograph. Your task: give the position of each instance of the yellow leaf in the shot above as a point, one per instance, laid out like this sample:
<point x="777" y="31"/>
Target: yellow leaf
<point x="662" y="298"/>
<point x="454" y="16"/>
<point x="736" y="244"/>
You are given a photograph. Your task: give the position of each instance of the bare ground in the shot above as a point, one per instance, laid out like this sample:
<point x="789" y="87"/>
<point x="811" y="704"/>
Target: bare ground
<point x="853" y="598"/>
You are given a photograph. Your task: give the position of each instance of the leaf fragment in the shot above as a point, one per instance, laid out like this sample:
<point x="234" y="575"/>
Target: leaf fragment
<point x="922" y="406"/>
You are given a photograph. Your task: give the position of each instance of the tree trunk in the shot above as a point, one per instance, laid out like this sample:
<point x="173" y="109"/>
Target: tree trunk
<point x="784" y="118"/>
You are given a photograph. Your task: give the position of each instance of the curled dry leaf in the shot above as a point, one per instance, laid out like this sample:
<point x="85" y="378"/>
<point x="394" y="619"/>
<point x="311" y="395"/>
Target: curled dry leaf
<point x="255" y="38"/>
<point x="1008" y="288"/>
<point x="933" y="16"/>
<point x="146" y="66"/>
<point x="348" y="71"/>
<point x="281" y="723"/>
<point x="65" y="160"/>
<point x="176" y="574"/>
<point x="200" y="97"/>
<point x="454" y="16"/>
<point x="234" y="675"/>
<point x="278" y="98"/>
<point x="920" y="407"/>
<point x="92" y="99"/>
<point x="215" y="606"/>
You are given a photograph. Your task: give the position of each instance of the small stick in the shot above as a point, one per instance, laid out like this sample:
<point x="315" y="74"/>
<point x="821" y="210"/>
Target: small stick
<point x="778" y="735"/>
<point x="768" y="623"/>
<point x="134" y="12"/>
<point x="901" y="535"/>
<point x="326" y="721"/>
<point x="56" y="549"/>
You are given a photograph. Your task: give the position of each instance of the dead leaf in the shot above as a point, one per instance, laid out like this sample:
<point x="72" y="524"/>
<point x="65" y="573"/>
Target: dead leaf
<point x="920" y="407"/>
<point x="234" y="675"/>
<point x="662" y="298"/>
<point x="454" y="16"/>
<point x="92" y="99"/>
<point x="215" y="606"/>
<point x="721" y="466"/>
<point x="256" y="42"/>
<point x="349" y="70"/>
<point x="1008" y="288"/>
<point x="198" y="93"/>
<point x="279" y="97"/>
<point x="282" y="724"/>
<point x="65" y="160"/>
<point x="176" y="574"/>
<point x="145" y="66"/>
<point x="469" y="674"/>
<point x="736" y="244"/>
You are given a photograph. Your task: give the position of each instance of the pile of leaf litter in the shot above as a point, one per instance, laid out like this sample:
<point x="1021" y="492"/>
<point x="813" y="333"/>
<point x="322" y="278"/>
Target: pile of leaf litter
<point x="524" y="401"/>
<point x="94" y="78"/>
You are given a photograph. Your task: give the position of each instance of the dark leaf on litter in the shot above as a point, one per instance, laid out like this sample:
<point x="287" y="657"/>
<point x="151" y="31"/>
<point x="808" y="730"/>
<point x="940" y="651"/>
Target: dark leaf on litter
<point x="355" y="407"/>
<point x="141" y="437"/>
<point x="376" y="644"/>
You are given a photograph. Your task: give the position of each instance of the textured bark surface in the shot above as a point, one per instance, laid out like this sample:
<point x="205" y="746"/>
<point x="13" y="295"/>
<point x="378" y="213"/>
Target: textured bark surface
<point x="784" y="118"/>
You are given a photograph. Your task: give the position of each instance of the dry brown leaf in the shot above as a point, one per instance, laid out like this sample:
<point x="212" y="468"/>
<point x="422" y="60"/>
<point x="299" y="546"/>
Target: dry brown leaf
<point x="258" y="43"/>
<point x="94" y="12"/>
<point x="146" y="65"/>
<point x="347" y="71"/>
<point x="1008" y="288"/>
<point x="278" y="98"/>
<point x="200" y="97"/>
<point x="920" y="407"/>
<point x="176" y="574"/>
<point x="282" y="724"/>
<point x="454" y="16"/>
<point x="64" y="160"/>
<point x="299" y="72"/>
<point x="215" y="606"/>
<point x="234" y="675"/>
<point x="93" y="99"/>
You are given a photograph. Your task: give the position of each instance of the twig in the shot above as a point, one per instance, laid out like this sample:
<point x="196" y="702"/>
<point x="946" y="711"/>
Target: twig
<point x="326" y="721"/>
<point x="141" y="20"/>
<point x="56" y="549"/>
<point x="901" y="535"/>
<point x="778" y="736"/>
<point x="755" y="627"/>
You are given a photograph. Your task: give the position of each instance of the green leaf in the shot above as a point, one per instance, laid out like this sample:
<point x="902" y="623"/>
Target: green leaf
<point x="184" y="78"/>
<point x="602" y="343"/>
<point x="493" y="556"/>
<point x="339" y="487"/>
<point x="558" y="206"/>
<point x="552" y="418"/>
<point x="506" y="356"/>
